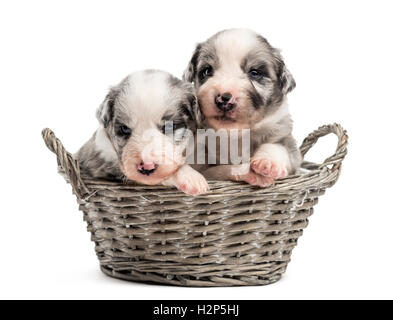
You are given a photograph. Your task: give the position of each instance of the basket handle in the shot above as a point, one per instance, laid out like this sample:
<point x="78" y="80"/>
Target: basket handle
<point x="341" y="150"/>
<point x="66" y="161"/>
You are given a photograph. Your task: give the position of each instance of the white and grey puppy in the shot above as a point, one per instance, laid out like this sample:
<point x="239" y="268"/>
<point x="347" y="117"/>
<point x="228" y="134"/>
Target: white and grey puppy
<point x="132" y="141"/>
<point x="242" y="83"/>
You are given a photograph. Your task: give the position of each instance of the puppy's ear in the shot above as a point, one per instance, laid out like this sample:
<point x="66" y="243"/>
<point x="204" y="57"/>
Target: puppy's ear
<point x="196" y="111"/>
<point x="285" y="79"/>
<point x="192" y="105"/>
<point x="190" y="73"/>
<point x="105" y="111"/>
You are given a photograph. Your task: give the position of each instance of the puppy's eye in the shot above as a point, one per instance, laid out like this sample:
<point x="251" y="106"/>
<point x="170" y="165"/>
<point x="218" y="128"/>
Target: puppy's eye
<point x="255" y="74"/>
<point x="124" y="131"/>
<point x="167" y="127"/>
<point x="206" y="72"/>
<point x="171" y="127"/>
<point x="179" y="125"/>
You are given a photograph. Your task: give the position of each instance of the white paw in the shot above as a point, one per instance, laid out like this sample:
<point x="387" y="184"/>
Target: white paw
<point x="269" y="168"/>
<point x="189" y="181"/>
<point x="192" y="183"/>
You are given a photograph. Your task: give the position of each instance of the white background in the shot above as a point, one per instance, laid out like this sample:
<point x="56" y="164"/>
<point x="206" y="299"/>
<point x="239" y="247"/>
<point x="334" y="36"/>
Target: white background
<point x="58" y="59"/>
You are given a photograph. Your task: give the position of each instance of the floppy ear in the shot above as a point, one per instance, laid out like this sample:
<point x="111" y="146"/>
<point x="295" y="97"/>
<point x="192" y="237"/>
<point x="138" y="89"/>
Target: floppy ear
<point x="196" y="111"/>
<point x="192" y="106"/>
<point x="105" y="111"/>
<point x="285" y="79"/>
<point x="190" y="73"/>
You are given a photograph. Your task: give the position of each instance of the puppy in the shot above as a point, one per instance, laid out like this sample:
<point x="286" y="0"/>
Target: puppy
<point x="242" y="83"/>
<point x="144" y="122"/>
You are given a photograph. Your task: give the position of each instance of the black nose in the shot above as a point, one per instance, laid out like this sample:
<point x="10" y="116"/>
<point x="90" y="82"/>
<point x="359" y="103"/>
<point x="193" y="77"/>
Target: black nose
<point x="147" y="169"/>
<point x="225" y="97"/>
<point x="223" y="102"/>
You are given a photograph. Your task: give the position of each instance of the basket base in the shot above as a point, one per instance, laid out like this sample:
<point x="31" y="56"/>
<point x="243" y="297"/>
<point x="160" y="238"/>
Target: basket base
<point x="182" y="281"/>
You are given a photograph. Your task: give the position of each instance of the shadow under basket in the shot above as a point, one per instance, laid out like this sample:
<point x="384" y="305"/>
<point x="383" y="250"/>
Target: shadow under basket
<point x="236" y="235"/>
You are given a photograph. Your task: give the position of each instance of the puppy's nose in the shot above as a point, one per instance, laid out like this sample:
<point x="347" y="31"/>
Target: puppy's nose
<point x="225" y="102"/>
<point x="147" y="168"/>
<point x="225" y="97"/>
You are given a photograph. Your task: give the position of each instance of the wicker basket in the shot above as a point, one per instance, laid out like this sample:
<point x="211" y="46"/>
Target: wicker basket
<point x="235" y="235"/>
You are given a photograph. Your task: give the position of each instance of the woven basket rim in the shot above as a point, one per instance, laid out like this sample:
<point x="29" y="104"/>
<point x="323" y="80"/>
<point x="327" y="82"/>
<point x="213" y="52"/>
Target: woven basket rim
<point x="85" y="186"/>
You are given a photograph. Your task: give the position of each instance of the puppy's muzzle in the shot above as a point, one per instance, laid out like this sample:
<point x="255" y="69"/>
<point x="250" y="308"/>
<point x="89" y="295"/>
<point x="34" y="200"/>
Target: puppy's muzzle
<point x="225" y="102"/>
<point x="147" y="168"/>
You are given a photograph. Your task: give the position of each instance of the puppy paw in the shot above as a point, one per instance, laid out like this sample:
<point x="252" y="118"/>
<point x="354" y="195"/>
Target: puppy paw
<point x="193" y="183"/>
<point x="255" y="179"/>
<point x="269" y="168"/>
<point x="189" y="181"/>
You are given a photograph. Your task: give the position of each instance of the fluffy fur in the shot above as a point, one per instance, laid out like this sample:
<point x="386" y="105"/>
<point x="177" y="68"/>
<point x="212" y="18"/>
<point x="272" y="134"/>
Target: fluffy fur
<point x="132" y="141"/>
<point x="242" y="83"/>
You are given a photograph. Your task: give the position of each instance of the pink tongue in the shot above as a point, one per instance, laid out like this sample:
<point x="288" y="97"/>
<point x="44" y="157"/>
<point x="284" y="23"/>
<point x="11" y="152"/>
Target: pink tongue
<point x="146" y="166"/>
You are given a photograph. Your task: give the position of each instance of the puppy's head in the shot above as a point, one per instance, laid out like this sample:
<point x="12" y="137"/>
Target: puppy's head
<point x="240" y="79"/>
<point x="147" y="118"/>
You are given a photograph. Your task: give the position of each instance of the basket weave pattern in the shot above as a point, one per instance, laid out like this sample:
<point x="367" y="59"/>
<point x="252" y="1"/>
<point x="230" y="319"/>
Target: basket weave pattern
<point x="235" y="235"/>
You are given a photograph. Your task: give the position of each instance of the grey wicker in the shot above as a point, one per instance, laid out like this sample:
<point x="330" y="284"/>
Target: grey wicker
<point x="236" y="235"/>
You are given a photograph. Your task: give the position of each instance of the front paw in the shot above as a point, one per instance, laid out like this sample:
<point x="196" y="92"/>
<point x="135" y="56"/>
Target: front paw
<point x="191" y="182"/>
<point x="269" y="168"/>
